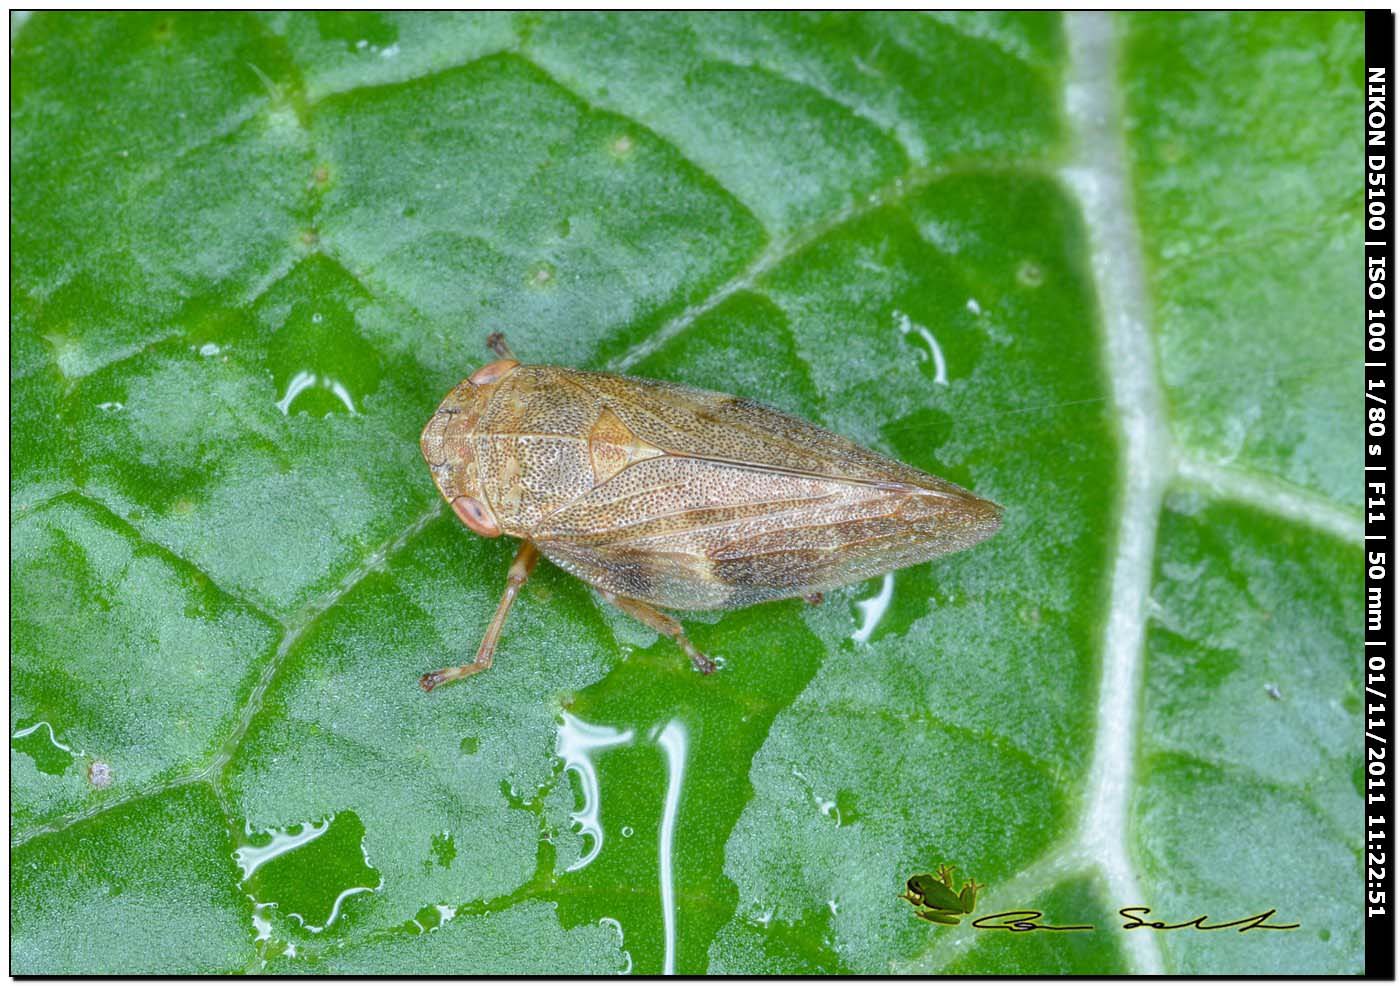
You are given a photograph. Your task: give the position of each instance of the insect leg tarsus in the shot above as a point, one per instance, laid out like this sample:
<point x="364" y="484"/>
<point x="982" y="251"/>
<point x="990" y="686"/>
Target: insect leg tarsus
<point x="496" y="342"/>
<point x="520" y="570"/>
<point x="661" y="623"/>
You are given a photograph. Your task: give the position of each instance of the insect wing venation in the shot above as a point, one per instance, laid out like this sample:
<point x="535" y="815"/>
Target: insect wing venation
<point x="762" y="506"/>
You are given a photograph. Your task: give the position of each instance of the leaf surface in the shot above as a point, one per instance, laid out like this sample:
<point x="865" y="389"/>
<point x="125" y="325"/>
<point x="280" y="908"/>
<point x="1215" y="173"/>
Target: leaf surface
<point x="253" y="252"/>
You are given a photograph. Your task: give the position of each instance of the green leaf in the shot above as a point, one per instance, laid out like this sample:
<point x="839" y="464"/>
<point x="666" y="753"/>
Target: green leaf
<point x="253" y="252"/>
<point x="1233" y="214"/>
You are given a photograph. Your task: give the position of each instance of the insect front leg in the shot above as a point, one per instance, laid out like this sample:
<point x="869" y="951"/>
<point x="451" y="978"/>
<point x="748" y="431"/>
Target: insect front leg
<point x="661" y="623"/>
<point x="520" y="570"/>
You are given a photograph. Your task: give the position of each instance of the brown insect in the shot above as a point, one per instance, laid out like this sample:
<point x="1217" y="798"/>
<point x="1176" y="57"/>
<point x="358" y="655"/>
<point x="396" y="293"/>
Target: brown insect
<point x="658" y="494"/>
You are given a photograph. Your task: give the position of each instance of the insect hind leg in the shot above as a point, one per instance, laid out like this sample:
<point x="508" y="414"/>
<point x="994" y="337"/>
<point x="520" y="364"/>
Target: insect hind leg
<point x="661" y="623"/>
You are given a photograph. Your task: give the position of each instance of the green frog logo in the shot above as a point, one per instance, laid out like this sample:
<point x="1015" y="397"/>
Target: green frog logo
<point x="935" y="898"/>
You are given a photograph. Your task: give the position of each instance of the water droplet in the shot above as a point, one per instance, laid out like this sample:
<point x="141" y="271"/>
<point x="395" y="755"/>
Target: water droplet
<point x="930" y="354"/>
<point x="261" y="925"/>
<point x="577" y="744"/>
<point x="39" y="741"/>
<point x="111" y="407"/>
<point x="444" y="849"/>
<point x="305" y="380"/>
<point x="541" y="275"/>
<point x="427" y="919"/>
<point x="873" y="609"/>
<point x="973" y="306"/>
<point x="830" y="808"/>
<point x="615" y="924"/>
<point x="250" y="857"/>
<point x="846" y="813"/>
<point x="674" y="742"/>
<point x="307" y="871"/>
<point x="627" y="831"/>
<point x="1029" y="274"/>
<point x="320" y="363"/>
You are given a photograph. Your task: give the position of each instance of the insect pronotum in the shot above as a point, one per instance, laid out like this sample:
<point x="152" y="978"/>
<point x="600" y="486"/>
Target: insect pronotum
<point x="660" y="495"/>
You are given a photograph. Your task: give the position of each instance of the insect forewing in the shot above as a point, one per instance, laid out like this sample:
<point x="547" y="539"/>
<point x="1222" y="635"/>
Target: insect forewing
<point x="720" y="501"/>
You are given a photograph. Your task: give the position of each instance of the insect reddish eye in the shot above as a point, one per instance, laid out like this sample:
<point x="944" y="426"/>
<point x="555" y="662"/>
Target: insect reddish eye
<point x="476" y="516"/>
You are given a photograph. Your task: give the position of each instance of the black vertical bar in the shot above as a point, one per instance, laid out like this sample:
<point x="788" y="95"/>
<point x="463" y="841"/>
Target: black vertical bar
<point x="1380" y="525"/>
